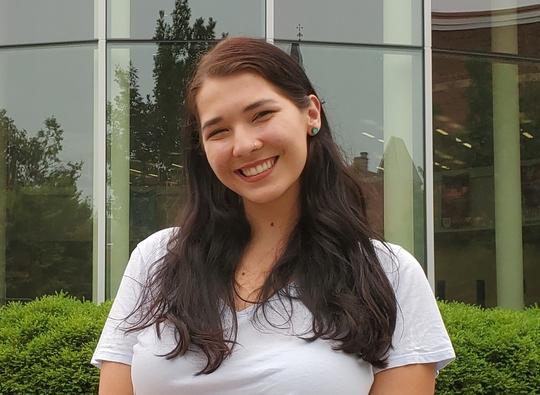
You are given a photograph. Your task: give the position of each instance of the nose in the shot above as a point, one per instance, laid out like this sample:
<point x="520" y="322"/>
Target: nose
<point x="245" y="142"/>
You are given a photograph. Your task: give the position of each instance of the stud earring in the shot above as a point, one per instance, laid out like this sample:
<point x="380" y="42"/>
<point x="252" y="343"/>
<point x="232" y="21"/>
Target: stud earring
<point x="314" y="131"/>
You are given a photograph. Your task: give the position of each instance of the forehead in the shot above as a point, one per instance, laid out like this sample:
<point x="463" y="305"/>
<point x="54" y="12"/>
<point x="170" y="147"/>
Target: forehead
<point x="219" y="96"/>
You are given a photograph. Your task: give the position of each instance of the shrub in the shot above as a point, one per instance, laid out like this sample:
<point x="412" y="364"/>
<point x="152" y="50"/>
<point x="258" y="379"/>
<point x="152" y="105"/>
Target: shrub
<point x="497" y="350"/>
<point x="46" y="346"/>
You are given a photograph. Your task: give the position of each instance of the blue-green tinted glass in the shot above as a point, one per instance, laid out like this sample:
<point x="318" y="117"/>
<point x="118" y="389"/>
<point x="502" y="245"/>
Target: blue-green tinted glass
<point x="350" y="21"/>
<point x="46" y="170"/>
<point x="142" y="19"/>
<point x="146" y="183"/>
<point x="380" y="130"/>
<point x="377" y="119"/>
<point x="486" y="144"/>
<point x="30" y="21"/>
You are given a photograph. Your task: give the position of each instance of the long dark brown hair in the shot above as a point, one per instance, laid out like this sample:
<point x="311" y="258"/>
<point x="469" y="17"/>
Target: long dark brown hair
<point x="330" y="252"/>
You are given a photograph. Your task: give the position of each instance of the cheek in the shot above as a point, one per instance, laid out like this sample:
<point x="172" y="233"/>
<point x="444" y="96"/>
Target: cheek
<point x="294" y="140"/>
<point x="216" y="159"/>
<point x="288" y="136"/>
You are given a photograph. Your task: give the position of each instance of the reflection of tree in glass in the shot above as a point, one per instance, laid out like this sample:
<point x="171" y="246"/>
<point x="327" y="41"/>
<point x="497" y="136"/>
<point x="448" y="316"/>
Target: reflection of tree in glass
<point x="49" y="223"/>
<point x="155" y="121"/>
<point x="156" y="150"/>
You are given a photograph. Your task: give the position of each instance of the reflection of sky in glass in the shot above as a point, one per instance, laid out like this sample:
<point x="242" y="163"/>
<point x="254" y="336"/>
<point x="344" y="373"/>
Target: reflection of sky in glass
<point x="350" y="21"/>
<point x="38" y="83"/>
<point x="237" y="17"/>
<point x="349" y="80"/>
<point x="142" y="58"/>
<point x="30" y="21"/>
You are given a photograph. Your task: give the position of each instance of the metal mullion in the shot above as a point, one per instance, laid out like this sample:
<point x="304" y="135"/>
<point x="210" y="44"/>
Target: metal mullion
<point x="152" y="41"/>
<point x="401" y="47"/>
<point x="48" y="44"/>
<point x="487" y="55"/>
<point x="100" y="150"/>
<point x="428" y="146"/>
<point x="269" y="18"/>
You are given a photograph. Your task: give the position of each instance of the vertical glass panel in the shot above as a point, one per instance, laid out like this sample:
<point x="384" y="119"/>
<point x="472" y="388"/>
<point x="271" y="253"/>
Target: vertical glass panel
<point x="377" y="118"/>
<point x="349" y="21"/>
<point x="486" y="141"/>
<point x="474" y="25"/>
<point x="146" y="185"/>
<point x="141" y="19"/>
<point x="30" y="21"/>
<point x="374" y="125"/>
<point x="46" y="139"/>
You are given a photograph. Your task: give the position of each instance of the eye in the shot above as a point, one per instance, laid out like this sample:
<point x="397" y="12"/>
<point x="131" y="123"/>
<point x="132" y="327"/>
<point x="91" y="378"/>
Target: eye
<point x="263" y="114"/>
<point x="215" y="133"/>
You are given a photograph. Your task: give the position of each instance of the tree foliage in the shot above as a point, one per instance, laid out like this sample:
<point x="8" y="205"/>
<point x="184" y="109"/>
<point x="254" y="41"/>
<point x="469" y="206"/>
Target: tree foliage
<point x="49" y="223"/>
<point x="155" y="121"/>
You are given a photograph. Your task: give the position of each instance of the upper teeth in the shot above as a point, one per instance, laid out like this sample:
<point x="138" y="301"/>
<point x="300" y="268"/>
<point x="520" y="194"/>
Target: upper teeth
<point x="252" y="171"/>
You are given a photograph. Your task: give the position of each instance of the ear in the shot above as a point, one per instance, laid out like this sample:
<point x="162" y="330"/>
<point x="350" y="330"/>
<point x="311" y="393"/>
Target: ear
<point x="314" y="113"/>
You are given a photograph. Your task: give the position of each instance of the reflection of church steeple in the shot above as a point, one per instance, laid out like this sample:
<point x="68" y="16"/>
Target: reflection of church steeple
<point x="295" y="47"/>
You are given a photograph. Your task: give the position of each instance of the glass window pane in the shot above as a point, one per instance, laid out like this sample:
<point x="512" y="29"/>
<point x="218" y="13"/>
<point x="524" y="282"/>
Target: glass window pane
<point x="346" y="21"/>
<point x="479" y="25"/>
<point x="376" y="116"/>
<point x="141" y="19"/>
<point x="145" y="185"/>
<point x="486" y="141"/>
<point x="380" y="129"/>
<point x="46" y="170"/>
<point x="30" y="21"/>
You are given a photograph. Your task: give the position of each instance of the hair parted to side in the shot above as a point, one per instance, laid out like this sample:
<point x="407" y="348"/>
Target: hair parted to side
<point x="329" y="254"/>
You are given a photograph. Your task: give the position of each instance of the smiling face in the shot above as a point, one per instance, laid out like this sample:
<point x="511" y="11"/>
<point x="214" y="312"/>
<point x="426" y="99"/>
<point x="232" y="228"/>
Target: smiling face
<point x="254" y="137"/>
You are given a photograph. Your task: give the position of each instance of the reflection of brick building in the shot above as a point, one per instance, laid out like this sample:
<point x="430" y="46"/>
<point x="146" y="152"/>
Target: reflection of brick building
<point x="472" y="31"/>
<point x="372" y="187"/>
<point x="464" y="33"/>
<point x="375" y="80"/>
<point x="469" y="47"/>
<point x="462" y="97"/>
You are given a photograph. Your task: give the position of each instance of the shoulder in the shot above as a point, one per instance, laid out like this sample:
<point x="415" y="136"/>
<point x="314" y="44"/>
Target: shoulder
<point x="401" y="267"/>
<point x="149" y="252"/>
<point x="420" y="335"/>
<point x="155" y="246"/>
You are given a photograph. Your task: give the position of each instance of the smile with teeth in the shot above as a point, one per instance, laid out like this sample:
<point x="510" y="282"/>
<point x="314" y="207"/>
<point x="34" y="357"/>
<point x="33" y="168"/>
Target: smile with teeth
<point x="253" y="171"/>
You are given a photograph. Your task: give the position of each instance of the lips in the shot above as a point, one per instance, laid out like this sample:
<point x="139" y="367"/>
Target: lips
<point x="257" y="169"/>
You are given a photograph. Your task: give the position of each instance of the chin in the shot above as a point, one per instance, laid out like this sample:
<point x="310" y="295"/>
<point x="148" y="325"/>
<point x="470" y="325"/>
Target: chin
<point x="270" y="194"/>
<point x="261" y="198"/>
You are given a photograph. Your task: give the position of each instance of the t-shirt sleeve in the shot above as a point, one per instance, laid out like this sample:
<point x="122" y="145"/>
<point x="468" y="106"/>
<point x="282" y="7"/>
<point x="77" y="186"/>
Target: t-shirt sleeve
<point x="420" y="335"/>
<point x="115" y="344"/>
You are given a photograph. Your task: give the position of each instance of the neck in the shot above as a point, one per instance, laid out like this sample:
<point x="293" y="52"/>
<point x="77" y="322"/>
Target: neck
<point x="272" y="222"/>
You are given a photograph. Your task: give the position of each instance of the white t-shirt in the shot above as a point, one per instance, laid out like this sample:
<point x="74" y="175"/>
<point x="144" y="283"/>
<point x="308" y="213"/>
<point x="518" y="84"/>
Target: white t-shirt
<point x="270" y="361"/>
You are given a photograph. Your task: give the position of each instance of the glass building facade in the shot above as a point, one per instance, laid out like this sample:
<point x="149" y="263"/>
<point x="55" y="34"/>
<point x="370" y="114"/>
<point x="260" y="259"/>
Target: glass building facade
<point x="435" y="105"/>
<point x="486" y="151"/>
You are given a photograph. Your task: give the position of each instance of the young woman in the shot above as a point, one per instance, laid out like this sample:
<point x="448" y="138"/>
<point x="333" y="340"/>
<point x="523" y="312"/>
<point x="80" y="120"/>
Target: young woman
<point x="273" y="282"/>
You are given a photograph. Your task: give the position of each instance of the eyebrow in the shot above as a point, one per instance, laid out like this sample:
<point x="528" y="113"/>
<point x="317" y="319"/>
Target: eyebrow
<point x="250" y="107"/>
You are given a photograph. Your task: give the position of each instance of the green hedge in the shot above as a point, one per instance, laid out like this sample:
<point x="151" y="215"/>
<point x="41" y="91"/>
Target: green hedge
<point x="498" y="351"/>
<point x="46" y="345"/>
